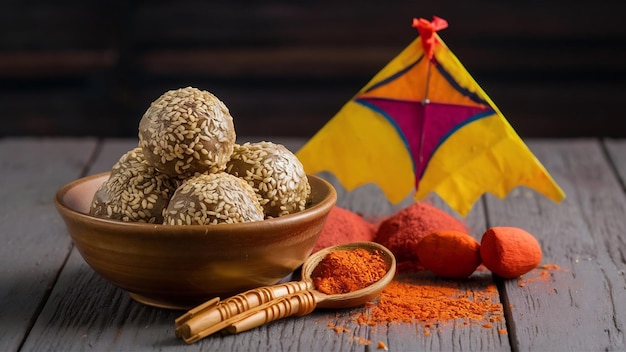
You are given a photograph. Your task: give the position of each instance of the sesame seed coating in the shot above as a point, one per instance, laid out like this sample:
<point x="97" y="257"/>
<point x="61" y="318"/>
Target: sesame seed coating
<point x="213" y="199"/>
<point x="275" y="174"/>
<point x="187" y="131"/>
<point x="134" y="192"/>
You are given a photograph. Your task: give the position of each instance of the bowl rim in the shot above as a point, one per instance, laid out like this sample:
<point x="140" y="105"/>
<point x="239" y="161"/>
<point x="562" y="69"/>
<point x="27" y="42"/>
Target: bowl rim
<point x="201" y="230"/>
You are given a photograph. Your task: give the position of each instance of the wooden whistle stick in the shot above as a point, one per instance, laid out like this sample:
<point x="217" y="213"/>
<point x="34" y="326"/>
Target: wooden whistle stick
<point x="297" y="304"/>
<point x="215" y="315"/>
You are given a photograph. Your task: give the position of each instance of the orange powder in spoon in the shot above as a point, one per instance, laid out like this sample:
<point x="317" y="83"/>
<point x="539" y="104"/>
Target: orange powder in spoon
<point x="343" y="271"/>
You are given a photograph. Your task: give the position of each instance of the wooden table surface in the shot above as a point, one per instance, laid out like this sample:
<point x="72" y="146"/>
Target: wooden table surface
<point x="51" y="300"/>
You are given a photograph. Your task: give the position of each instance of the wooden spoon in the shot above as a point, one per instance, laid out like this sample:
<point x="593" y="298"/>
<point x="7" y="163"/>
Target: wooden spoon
<point x="265" y="304"/>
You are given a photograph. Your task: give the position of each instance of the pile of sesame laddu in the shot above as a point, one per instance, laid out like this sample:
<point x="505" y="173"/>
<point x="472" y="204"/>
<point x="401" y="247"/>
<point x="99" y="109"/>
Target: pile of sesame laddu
<point x="188" y="169"/>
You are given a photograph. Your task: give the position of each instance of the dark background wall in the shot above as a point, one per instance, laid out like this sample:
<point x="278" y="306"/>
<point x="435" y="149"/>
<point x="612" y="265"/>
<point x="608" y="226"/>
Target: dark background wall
<point x="75" y="68"/>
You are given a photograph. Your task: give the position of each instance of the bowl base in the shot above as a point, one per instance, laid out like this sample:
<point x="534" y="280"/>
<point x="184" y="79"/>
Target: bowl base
<point x="189" y="304"/>
<point x="158" y="303"/>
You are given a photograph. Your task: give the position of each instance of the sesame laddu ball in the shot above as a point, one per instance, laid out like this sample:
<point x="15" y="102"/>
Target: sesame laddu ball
<point x="213" y="199"/>
<point x="134" y="192"/>
<point x="275" y="174"/>
<point x="187" y="131"/>
<point x="131" y="159"/>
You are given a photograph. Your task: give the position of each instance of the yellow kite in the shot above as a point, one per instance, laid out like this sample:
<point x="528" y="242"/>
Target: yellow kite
<point x="422" y="125"/>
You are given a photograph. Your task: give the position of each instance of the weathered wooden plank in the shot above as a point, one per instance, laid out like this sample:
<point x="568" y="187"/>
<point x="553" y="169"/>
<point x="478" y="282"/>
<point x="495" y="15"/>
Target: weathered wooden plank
<point x="582" y="306"/>
<point x="35" y="244"/>
<point x="616" y="149"/>
<point x="66" y="107"/>
<point x="369" y="201"/>
<point x="520" y="215"/>
<point x="85" y="312"/>
<point x="449" y="335"/>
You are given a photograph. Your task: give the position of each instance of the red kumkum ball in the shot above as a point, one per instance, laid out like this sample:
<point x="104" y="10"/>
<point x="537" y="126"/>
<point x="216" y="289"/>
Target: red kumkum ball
<point x="449" y="254"/>
<point x="509" y="251"/>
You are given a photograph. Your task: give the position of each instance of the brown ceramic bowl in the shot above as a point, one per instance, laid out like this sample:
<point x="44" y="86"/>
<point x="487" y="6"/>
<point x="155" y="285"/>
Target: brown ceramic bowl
<point x="179" y="267"/>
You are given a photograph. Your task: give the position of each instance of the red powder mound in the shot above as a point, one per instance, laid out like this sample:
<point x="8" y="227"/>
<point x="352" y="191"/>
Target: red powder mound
<point x="343" y="226"/>
<point x="402" y="231"/>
